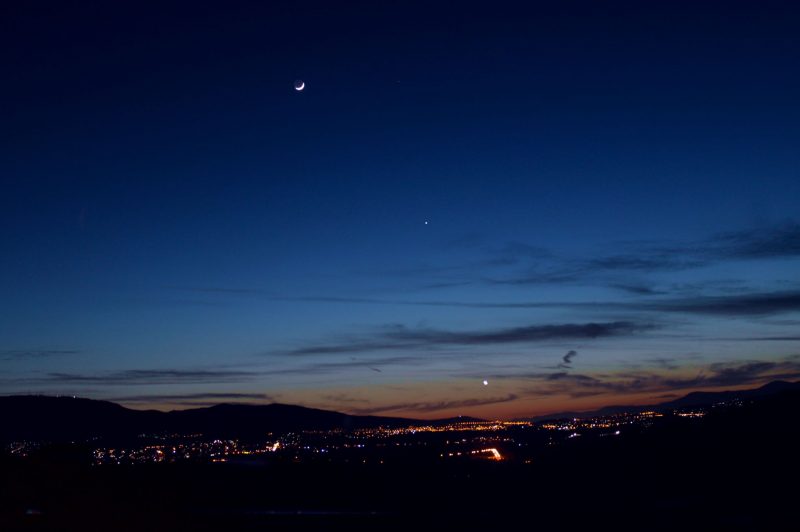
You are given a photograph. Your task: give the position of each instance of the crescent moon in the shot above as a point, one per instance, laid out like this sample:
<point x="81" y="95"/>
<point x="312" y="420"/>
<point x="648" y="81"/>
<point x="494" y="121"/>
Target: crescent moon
<point x="301" y="86"/>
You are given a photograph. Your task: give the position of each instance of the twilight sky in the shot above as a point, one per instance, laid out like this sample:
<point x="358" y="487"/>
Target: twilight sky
<point x="584" y="203"/>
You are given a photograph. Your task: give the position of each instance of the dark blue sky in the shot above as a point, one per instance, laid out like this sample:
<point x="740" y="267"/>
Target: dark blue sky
<point x="618" y="180"/>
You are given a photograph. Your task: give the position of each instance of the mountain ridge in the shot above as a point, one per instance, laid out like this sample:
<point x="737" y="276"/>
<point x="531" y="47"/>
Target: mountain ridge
<point x="698" y="398"/>
<point x="64" y="418"/>
<point x="71" y="418"/>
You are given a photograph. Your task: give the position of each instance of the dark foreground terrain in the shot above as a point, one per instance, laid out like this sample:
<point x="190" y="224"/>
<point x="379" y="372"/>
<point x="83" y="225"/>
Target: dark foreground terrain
<point x="734" y="469"/>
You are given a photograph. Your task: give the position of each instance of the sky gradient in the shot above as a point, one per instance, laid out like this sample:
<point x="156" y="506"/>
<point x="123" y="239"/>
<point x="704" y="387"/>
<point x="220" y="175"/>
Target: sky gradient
<point x="583" y="203"/>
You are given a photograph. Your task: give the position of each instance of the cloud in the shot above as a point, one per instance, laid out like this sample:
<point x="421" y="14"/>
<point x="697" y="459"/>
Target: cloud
<point x="534" y="265"/>
<point x="657" y="262"/>
<point x="566" y="361"/>
<point x="349" y="347"/>
<point x="179" y="376"/>
<point x="422" y="302"/>
<point x="664" y="362"/>
<point x="434" y="406"/>
<point x="446" y="284"/>
<point x="202" y="397"/>
<point x="752" y="304"/>
<point x="780" y="240"/>
<point x="372" y="364"/>
<point x="401" y="337"/>
<point x="17" y="354"/>
<point x="716" y="375"/>
<point x="224" y="290"/>
<point x="142" y="377"/>
<point x="375" y="301"/>
<point x="763" y="339"/>
<point x="559" y="275"/>
<point x="776" y="241"/>
<point x="530" y="333"/>
<point x="739" y="304"/>
<point x="638" y="289"/>
<point x="746" y="373"/>
<point x="576" y="385"/>
<point x="344" y="398"/>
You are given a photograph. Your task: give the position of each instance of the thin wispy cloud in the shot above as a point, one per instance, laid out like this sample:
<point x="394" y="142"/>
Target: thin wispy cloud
<point x="401" y="337"/>
<point x="716" y="375"/>
<point x="141" y="377"/>
<point x="321" y="368"/>
<point x="150" y="376"/>
<point x="771" y="242"/>
<point x="200" y="397"/>
<point x="434" y="406"/>
<point x="639" y="262"/>
<point x="224" y="290"/>
<point x="669" y="363"/>
<point x="776" y="241"/>
<point x="18" y="354"/>
<point x="749" y="304"/>
<point x="742" y="304"/>
<point x="638" y="289"/>
<point x="762" y="339"/>
<point x="780" y="240"/>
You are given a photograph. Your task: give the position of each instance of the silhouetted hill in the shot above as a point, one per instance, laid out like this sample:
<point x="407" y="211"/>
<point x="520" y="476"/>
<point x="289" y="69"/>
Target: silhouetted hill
<point x="729" y="470"/>
<point x="709" y="398"/>
<point x="67" y="418"/>
<point x="257" y="420"/>
<point x="689" y="400"/>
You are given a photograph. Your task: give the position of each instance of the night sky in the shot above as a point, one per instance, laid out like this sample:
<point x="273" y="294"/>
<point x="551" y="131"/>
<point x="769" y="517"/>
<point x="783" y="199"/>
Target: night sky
<point x="582" y="203"/>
